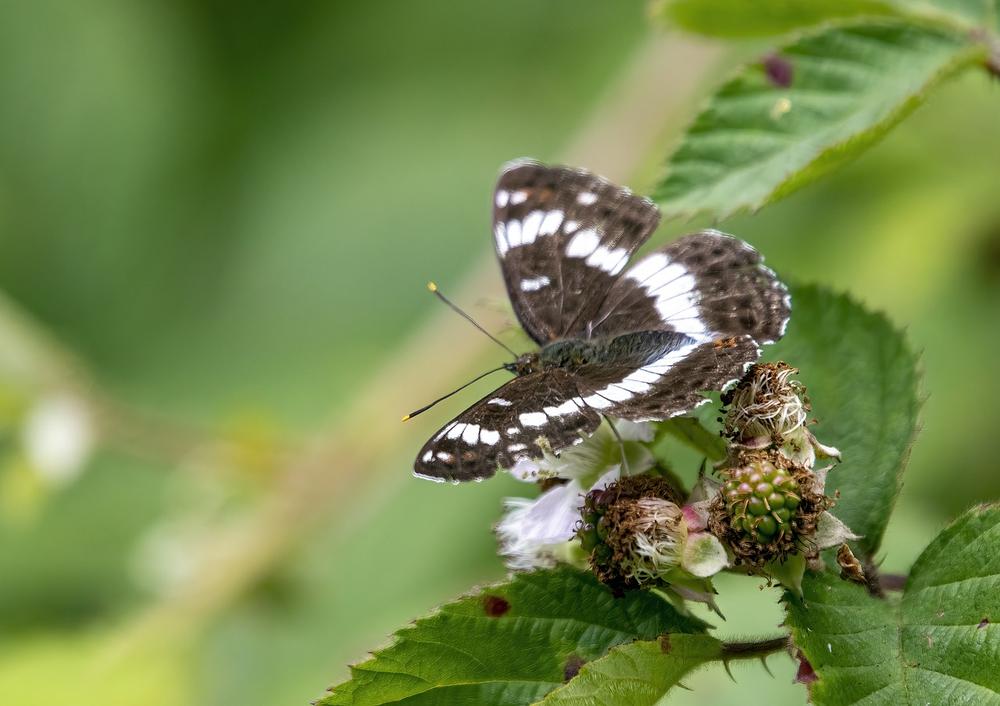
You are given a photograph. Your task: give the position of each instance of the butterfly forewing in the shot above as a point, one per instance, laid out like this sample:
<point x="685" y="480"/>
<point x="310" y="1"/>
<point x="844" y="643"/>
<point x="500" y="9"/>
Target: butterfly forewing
<point x="563" y="236"/>
<point x="505" y="426"/>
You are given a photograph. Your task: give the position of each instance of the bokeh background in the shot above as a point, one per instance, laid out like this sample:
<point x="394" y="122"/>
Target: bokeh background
<point x="216" y="223"/>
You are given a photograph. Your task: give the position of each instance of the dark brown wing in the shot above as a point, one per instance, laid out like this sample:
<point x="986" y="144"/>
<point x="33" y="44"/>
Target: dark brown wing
<point x="707" y="285"/>
<point x="504" y="427"/>
<point x="563" y="236"/>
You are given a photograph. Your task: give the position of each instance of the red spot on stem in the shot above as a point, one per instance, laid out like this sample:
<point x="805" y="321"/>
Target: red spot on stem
<point x="805" y="674"/>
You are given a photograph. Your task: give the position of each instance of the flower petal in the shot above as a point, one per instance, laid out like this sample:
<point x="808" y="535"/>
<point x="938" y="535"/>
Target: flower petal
<point x="704" y="555"/>
<point x="831" y="532"/>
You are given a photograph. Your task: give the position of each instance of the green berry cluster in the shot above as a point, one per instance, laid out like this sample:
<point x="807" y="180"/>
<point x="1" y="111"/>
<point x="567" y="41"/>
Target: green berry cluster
<point x="761" y="499"/>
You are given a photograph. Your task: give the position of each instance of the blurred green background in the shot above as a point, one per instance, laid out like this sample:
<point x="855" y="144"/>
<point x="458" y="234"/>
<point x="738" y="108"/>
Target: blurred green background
<point x="216" y="221"/>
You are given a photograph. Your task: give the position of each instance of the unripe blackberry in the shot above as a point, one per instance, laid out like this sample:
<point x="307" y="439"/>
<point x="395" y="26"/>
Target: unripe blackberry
<point x="766" y="509"/>
<point x="761" y="499"/>
<point x="630" y="529"/>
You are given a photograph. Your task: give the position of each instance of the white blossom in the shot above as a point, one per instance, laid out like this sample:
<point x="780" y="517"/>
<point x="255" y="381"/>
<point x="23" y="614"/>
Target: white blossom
<point x="539" y="533"/>
<point x="58" y="436"/>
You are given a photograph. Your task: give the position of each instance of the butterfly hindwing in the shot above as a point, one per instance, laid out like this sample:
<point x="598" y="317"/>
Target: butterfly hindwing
<point x="505" y="426"/>
<point x="670" y="382"/>
<point x="706" y="285"/>
<point x="563" y="236"/>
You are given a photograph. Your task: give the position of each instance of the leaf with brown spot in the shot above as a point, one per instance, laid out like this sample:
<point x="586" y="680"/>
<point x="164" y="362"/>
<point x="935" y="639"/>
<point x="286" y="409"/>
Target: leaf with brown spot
<point x="510" y="643"/>
<point x="637" y="674"/>
<point x="495" y="606"/>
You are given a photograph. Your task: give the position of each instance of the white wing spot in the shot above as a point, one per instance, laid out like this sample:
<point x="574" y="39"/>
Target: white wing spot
<point x="514" y="233"/>
<point x="517" y="447"/>
<point x="647" y="267"/>
<point x="517" y="197"/>
<point x="499" y="402"/>
<point x="586" y="198"/>
<point x="471" y="434"/>
<point x="635" y="386"/>
<point x="500" y="233"/>
<point x="489" y="436"/>
<point x="611" y="261"/>
<point x="616" y="393"/>
<point x="530" y="227"/>
<point x="533" y="284"/>
<point x="427" y="457"/>
<point x="583" y="243"/>
<point x="513" y="430"/>
<point x="532" y="419"/>
<point x="444" y="456"/>
<point x="551" y="222"/>
<point x="502" y="198"/>
<point x="596" y="401"/>
<point x="570" y="227"/>
<point x="642" y="376"/>
<point x="567" y="407"/>
<point x="456" y="431"/>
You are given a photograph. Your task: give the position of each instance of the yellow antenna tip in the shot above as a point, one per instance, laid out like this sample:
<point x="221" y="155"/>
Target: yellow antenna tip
<point x="406" y="417"/>
<point x="431" y="286"/>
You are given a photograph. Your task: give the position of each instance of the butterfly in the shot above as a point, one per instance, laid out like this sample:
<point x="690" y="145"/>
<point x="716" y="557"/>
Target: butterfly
<point x="629" y="340"/>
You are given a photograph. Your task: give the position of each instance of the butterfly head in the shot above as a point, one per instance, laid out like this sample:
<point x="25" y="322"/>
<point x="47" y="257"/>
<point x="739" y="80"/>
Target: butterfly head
<point x="525" y="364"/>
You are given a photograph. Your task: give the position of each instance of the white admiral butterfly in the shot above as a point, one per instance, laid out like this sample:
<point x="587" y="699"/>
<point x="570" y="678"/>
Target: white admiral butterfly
<point x="637" y="343"/>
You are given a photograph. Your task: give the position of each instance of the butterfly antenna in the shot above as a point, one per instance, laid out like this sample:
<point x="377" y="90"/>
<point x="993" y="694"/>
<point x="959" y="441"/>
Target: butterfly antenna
<point x="437" y="292"/>
<point x="426" y="407"/>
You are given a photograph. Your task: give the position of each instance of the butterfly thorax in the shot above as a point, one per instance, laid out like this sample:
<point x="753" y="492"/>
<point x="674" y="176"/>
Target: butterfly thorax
<point x="572" y="353"/>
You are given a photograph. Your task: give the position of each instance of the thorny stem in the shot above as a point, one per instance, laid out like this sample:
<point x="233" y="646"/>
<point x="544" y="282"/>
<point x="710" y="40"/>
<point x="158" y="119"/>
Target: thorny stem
<point x="754" y="649"/>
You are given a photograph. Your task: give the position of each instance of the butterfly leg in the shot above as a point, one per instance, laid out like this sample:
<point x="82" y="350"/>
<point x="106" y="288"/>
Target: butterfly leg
<point x="621" y="446"/>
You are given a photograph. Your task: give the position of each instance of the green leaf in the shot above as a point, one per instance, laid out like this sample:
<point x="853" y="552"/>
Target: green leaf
<point x="637" y="674"/>
<point x="757" y="140"/>
<point x="972" y="13"/>
<point x="937" y="644"/>
<point x="691" y="432"/>
<point x="862" y="381"/>
<point x="738" y="18"/>
<point x="510" y="643"/>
